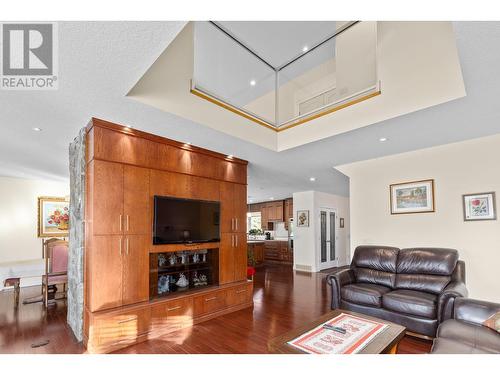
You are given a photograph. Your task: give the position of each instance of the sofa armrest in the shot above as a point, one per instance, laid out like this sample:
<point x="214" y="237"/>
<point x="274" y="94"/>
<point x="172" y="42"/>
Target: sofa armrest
<point x="337" y="280"/>
<point x="447" y="297"/>
<point x="473" y="310"/>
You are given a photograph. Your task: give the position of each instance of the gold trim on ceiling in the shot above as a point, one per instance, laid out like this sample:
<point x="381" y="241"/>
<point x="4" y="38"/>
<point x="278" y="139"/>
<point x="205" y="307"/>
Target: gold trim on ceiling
<point x="285" y="127"/>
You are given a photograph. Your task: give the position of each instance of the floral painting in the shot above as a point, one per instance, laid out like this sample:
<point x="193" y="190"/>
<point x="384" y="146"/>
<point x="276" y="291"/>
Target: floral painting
<point x="53" y="217"/>
<point x="479" y="206"/>
<point x="303" y="218"/>
<point x="412" y="197"/>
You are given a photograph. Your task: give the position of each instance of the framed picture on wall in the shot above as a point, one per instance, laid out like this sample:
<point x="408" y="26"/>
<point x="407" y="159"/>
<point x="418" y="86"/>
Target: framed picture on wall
<point x="479" y="206"/>
<point x="303" y="218"/>
<point x="412" y="197"/>
<point x="53" y="217"/>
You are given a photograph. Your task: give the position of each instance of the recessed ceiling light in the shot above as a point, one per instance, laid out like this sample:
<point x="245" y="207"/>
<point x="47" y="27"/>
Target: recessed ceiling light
<point x="383" y="139"/>
<point x="271" y="198"/>
<point x="128" y="128"/>
<point x="305" y="49"/>
<point x="253" y="82"/>
<point x="312" y="179"/>
<point x="230" y="156"/>
<point x="37" y="129"/>
<point x="187" y="144"/>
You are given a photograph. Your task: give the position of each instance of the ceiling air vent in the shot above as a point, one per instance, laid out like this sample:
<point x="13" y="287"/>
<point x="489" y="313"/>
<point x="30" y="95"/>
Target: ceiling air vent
<point x="317" y="102"/>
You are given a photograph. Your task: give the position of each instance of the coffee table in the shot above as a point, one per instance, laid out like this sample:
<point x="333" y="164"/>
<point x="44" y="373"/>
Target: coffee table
<point x="385" y="342"/>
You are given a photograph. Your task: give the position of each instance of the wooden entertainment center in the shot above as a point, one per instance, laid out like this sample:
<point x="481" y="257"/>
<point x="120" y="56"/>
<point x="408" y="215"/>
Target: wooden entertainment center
<point x="126" y="168"/>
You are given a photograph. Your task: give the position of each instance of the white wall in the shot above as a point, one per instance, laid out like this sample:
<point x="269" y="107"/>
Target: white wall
<point x="460" y="168"/>
<point x="18" y="216"/>
<point x="306" y="245"/>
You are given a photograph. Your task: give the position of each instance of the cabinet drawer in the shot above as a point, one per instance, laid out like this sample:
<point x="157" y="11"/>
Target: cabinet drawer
<point x="172" y="315"/>
<point x="108" y="330"/>
<point x="209" y="302"/>
<point x="272" y="254"/>
<point x="271" y="245"/>
<point x="239" y="295"/>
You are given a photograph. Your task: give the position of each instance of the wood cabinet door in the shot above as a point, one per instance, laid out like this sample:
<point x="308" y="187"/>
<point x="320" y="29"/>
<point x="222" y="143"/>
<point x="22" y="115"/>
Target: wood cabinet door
<point x="240" y="257"/>
<point x="258" y="253"/>
<point x="240" y="208"/>
<point x="264" y="217"/>
<point x="105" y="283"/>
<point x="107" y="205"/>
<point x="227" y="222"/>
<point x="135" y="269"/>
<point x="136" y="210"/>
<point x="226" y="258"/>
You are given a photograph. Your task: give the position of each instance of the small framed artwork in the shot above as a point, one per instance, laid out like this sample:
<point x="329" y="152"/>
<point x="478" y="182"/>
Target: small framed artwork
<point x="341" y="223"/>
<point x="53" y="217"/>
<point x="480" y="206"/>
<point x="412" y="197"/>
<point x="303" y="218"/>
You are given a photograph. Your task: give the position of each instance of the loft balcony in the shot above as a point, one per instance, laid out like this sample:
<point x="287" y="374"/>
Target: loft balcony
<point x="283" y="84"/>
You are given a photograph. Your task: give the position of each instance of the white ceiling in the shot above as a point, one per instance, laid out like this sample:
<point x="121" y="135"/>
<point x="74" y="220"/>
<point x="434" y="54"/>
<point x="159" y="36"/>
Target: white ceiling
<point x="279" y="41"/>
<point x="100" y="62"/>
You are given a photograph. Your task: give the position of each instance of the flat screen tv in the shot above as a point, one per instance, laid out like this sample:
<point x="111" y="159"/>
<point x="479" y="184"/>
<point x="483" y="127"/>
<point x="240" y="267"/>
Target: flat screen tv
<point x="179" y="220"/>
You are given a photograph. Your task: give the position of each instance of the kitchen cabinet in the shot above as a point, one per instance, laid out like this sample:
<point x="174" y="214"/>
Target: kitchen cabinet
<point x="255" y="252"/>
<point x="278" y="251"/>
<point x="288" y="209"/>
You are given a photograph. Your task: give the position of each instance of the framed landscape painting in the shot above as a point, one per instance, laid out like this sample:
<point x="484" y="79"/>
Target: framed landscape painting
<point x="412" y="197"/>
<point x="53" y="217"/>
<point x="480" y="206"/>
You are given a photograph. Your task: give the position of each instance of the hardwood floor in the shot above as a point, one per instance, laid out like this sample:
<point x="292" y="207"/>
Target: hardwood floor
<point x="283" y="299"/>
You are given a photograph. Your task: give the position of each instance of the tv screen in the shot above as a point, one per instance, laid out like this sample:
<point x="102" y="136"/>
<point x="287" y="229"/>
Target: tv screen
<point x="179" y="220"/>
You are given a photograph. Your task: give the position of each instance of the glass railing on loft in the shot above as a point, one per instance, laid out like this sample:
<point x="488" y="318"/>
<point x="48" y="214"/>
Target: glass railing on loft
<point x="336" y="72"/>
<point x="233" y="75"/>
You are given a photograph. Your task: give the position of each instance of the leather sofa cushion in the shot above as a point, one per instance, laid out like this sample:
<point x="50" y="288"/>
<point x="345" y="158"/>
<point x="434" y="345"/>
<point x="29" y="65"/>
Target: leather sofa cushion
<point x="381" y="258"/>
<point x="411" y="302"/>
<point x="368" y="275"/>
<point x="428" y="261"/>
<point x="364" y="294"/>
<point x="424" y="283"/>
<point x="470" y="334"/>
<point x="447" y="346"/>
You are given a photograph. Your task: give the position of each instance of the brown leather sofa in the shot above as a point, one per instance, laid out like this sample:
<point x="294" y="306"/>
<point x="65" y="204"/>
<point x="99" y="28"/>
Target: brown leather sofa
<point x="412" y="287"/>
<point x="465" y="334"/>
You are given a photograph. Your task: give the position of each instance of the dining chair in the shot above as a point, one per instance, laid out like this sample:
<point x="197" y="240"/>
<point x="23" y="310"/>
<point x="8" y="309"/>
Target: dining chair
<point x="56" y="266"/>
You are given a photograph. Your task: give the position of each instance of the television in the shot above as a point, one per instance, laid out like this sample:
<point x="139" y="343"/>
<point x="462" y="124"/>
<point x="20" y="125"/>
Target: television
<point x="179" y="220"/>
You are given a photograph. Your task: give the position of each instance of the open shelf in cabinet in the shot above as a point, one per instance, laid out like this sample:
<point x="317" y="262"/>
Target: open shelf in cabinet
<point x="173" y="273"/>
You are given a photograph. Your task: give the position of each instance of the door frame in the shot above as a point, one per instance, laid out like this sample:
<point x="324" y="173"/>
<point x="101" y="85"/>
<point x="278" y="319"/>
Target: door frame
<point x="328" y="264"/>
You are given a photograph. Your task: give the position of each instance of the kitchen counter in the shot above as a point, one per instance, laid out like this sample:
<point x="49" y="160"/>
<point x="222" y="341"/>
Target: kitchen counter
<point x="264" y="241"/>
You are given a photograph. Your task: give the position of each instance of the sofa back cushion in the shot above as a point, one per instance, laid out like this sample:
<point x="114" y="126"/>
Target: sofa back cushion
<point x="425" y="269"/>
<point x="375" y="265"/>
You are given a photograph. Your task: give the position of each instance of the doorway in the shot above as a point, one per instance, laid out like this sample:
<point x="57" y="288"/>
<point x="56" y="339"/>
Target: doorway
<point x="328" y="257"/>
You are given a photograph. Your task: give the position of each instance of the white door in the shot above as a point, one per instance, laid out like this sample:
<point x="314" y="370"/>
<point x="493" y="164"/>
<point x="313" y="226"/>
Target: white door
<point x="328" y="256"/>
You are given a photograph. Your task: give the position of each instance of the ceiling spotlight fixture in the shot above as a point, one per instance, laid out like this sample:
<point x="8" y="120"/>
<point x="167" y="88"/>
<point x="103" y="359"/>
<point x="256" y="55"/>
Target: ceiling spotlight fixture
<point x="305" y="49"/>
<point x="312" y="179"/>
<point x="253" y="82"/>
<point x="383" y="139"/>
<point x="230" y="156"/>
<point x="187" y="144"/>
<point x="37" y="129"/>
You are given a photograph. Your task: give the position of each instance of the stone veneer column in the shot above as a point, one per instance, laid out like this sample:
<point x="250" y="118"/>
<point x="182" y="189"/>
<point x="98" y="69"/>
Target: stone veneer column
<point x="76" y="233"/>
